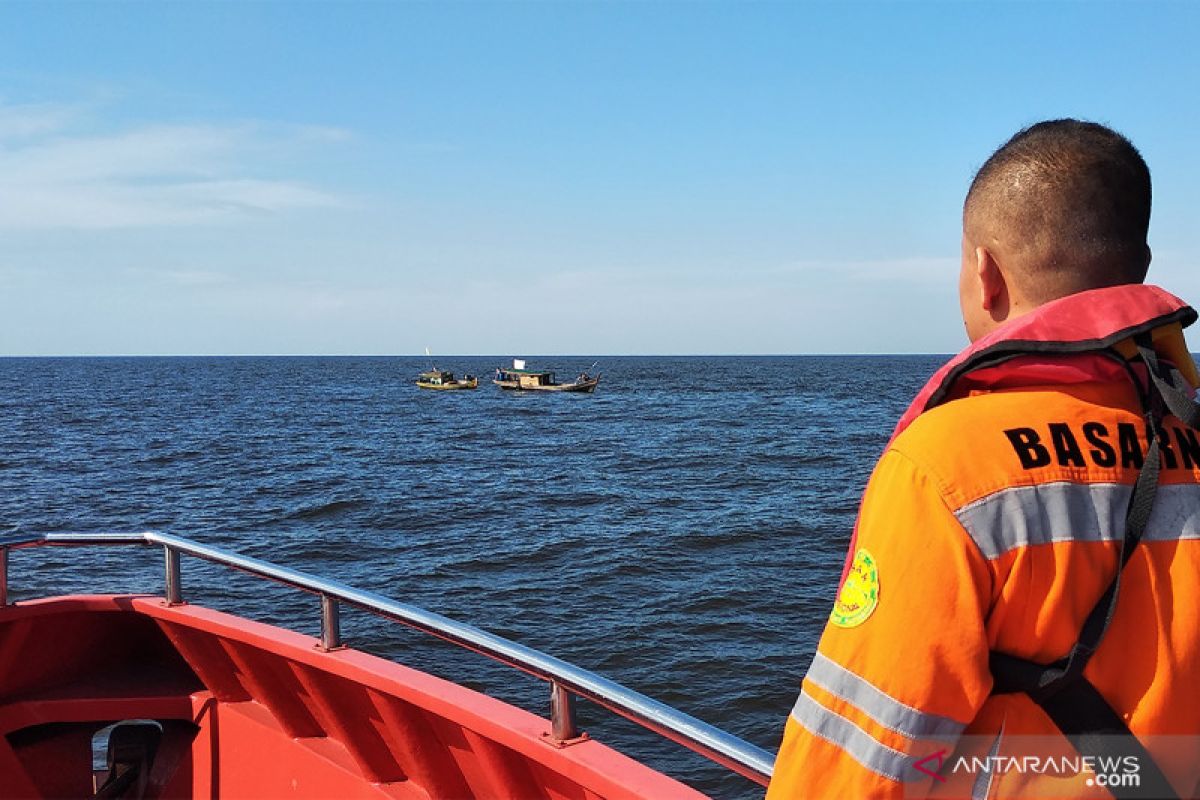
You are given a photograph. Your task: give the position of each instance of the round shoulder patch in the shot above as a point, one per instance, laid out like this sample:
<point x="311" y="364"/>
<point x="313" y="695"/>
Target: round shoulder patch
<point x="860" y="593"/>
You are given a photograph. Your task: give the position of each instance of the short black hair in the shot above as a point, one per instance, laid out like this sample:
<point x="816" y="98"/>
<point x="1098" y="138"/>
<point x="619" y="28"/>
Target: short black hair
<point x="1076" y="195"/>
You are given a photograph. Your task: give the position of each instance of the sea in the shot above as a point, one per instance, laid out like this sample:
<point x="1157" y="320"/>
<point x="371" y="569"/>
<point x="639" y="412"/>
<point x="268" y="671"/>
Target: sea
<point x="680" y="531"/>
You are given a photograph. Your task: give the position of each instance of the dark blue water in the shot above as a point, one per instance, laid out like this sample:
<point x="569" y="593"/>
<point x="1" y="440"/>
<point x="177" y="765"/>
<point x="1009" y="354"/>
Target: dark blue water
<point x="680" y="531"/>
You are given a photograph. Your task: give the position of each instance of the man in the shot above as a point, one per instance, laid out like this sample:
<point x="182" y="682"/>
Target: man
<point x="982" y="574"/>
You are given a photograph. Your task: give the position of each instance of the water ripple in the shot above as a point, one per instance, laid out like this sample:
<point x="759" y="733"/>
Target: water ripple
<point x="673" y="533"/>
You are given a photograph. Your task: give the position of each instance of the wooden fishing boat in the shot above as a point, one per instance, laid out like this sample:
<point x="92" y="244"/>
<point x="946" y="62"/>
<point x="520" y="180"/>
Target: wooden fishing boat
<point x="192" y="703"/>
<point x="442" y="380"/>
<point x="519" y="378"/>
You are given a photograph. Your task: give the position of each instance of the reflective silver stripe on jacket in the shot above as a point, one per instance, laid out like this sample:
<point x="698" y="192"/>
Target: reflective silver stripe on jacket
<point x="860" y="745"/>
<point x="1021" y="516"/>
<point x="878" y="705"/>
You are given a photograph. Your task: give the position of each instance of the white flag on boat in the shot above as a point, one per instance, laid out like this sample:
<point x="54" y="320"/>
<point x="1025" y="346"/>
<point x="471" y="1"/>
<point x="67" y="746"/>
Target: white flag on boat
<point x="518" y="363"/>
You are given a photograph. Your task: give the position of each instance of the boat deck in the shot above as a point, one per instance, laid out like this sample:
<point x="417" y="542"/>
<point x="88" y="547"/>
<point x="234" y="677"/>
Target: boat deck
<point x="246" y="709"/>
<point x="257" y="711"/>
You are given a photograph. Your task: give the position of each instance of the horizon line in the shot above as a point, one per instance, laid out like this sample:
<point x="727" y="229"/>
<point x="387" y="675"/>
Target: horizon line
<point x="461" y="355"/>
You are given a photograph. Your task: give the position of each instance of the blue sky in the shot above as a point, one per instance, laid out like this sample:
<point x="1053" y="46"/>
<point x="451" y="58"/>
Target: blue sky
<point x="504" y="178"/>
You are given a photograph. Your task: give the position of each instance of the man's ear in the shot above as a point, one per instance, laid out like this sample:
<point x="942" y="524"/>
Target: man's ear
<point x="993" y="288"/>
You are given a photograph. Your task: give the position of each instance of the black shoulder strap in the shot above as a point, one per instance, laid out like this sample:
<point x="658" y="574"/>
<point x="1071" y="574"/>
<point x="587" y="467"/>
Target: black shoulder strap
<point x="1171" y="386"/>
<point x="1060" y="689"/>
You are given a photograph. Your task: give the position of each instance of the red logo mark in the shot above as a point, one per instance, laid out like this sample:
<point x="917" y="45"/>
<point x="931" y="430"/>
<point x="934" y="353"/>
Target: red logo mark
<point x="932" y="771"/>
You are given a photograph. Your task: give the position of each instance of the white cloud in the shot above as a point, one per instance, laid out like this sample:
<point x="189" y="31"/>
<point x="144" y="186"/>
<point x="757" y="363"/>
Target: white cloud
<point x="31" y="119"/>
<point x="935" y="270"/>
<point x="195" y="278"/>
<point x="53" y="176"/>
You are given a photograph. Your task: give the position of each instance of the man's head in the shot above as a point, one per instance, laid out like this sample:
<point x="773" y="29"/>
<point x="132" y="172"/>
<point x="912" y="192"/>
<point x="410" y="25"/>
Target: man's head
<point x="1060" y="208"/>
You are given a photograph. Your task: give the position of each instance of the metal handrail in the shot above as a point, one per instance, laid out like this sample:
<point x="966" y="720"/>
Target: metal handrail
<point x="566" y="679"/>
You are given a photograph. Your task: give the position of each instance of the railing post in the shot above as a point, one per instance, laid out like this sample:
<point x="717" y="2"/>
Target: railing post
<point x="331" y="624"/>
<point x="563" y="725"/>
<point x="174" y="588"/>
<point x="3" y="577"/>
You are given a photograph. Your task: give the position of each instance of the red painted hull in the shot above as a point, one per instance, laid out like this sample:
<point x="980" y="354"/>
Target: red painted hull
<point x="253" y="711"/>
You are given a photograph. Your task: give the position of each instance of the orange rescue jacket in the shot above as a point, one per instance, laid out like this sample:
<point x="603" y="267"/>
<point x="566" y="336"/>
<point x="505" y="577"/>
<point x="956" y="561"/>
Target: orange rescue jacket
<point x="993" y="522"/>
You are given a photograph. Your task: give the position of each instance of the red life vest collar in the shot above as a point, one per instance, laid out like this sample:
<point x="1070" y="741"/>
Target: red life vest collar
<point x="1031" y="347"/>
